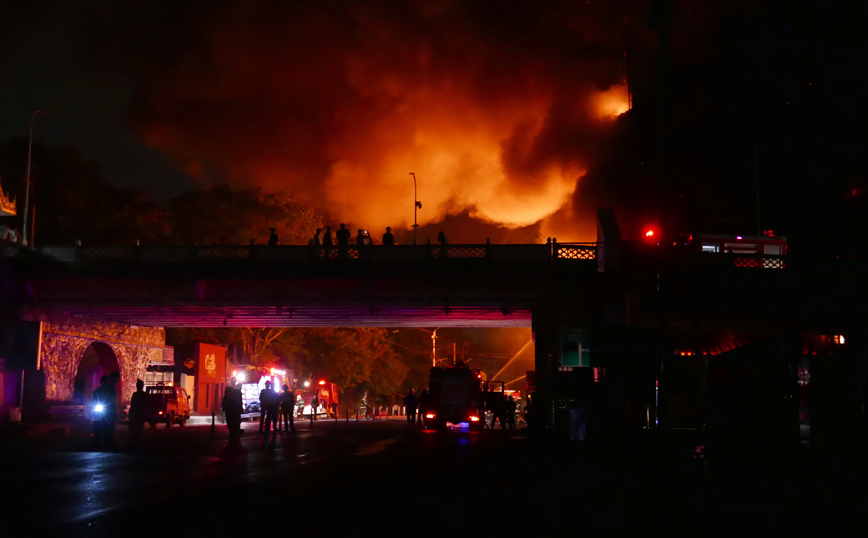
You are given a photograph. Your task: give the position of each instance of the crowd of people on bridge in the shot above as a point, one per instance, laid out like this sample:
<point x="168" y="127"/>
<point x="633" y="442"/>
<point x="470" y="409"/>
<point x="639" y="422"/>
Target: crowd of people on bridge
<point x="342" y="237"/>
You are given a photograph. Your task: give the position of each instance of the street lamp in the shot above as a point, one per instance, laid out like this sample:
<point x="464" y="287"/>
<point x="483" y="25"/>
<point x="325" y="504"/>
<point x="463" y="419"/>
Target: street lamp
<point x="416" y="206"/>
<point x="433" y="343"/>
<point x="27" y="187"/>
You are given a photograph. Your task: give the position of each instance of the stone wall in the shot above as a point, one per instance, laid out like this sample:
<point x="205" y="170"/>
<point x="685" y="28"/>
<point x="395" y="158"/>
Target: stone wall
<point x="65" y="337"/>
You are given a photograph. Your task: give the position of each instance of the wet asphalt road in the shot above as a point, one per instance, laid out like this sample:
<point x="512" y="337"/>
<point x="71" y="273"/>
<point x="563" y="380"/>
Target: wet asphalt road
<point x="385" y="477"/>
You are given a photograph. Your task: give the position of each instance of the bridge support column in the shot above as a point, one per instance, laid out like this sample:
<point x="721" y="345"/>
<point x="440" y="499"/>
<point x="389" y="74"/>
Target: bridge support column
<point x="546" y="335"/>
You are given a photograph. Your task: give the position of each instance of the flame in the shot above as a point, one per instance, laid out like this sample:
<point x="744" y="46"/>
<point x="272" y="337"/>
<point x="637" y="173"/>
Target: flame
<point x="612" y="102"/>
<point x="491" y="126"/>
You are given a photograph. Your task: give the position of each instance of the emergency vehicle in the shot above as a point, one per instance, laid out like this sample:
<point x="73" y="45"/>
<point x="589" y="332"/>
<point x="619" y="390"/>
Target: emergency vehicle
<point x="326" y="393"/>
<point x="455" y="396"/>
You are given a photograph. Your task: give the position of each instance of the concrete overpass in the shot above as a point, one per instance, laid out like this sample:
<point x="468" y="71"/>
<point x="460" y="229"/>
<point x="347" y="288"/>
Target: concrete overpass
<point x="298" y="286"/>
<point x="707" y="304"/>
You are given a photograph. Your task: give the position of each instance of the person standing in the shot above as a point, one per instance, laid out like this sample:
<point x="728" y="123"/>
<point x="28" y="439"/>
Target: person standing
<point x="287" y="409"/>
<point x="104" y="410"/>
<point x="343" y="236"/>
<point x="498" y="409"/>
<point x="314" y="404"/>
<point x="327" y="237"/>
<point x="272" y="409"/>
<point x="317" y="238"/>
<point x="299" y="407"/>
<point x="410" y="402"/>
<point x="423" y="406"/>
<point x="136" y="418"/>
<point x="273" y="239"/>
<point x="267" y="401"/>
<point x="510" y="413"/>
<point x="232" y="408"/>
<point x="388" y="238"/>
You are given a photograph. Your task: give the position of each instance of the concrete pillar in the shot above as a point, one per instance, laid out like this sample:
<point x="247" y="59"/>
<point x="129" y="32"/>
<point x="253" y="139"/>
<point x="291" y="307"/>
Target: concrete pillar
<point x="545" y="333"/>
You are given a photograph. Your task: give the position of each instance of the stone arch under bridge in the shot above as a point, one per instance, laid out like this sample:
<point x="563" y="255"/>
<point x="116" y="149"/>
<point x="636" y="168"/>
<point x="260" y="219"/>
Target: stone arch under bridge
<point x="66" y="338"/>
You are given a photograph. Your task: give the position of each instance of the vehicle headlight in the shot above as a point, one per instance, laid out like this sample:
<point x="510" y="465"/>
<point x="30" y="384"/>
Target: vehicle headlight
<point x="98" y="408"/>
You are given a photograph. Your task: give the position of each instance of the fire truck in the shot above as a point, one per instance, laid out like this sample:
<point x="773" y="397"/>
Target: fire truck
<point x="455" y="396"/>
<point x="327" y="396"/>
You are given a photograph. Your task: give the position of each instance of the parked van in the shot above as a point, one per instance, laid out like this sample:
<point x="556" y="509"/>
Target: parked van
<point x="167" y="404"/>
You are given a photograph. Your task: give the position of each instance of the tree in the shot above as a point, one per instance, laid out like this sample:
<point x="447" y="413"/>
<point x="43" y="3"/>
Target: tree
<point x="259" y="345"/>
<point x="73" y="200"/>
<point x="224" y="215"/>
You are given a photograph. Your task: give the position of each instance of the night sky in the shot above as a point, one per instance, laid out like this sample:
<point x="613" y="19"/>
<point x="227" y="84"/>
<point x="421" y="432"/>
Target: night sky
<point x="513" y="115"/>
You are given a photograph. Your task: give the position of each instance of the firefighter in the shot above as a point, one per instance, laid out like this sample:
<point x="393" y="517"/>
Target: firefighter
<point x="510" y="413"/>
<point x="498" y="410"/>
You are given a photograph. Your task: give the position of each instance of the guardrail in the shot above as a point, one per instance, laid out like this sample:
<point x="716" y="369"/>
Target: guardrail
<point x="307" y="254"/>
<point x="303" y="254"/>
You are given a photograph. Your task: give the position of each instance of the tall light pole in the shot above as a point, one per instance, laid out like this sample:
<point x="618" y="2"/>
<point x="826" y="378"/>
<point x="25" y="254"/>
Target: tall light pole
<point x="27" y="186"/>
<point x="416" y="206"/>
<point x="433" y="348"/>
<point x="433" y="343"/>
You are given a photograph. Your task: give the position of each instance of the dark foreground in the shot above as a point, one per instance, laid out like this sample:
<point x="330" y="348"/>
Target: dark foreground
<point x="385" y="478"/>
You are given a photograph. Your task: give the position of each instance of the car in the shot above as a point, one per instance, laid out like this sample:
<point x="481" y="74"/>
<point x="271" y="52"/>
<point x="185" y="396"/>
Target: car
<point x="166" y="403"/>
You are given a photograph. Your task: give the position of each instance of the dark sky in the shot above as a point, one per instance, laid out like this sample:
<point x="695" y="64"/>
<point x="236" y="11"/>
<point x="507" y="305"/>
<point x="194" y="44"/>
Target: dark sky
<point x="509" y="113"/>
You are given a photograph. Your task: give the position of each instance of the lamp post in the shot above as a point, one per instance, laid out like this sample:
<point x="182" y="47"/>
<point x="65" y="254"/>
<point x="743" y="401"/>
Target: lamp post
<point x="416" y="206"/>
<point x="27" y="186"/>
<point x="433" y="343"/>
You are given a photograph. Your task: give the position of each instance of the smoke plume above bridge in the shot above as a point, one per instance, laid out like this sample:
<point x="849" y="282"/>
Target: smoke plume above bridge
<point x="499" y="111"/>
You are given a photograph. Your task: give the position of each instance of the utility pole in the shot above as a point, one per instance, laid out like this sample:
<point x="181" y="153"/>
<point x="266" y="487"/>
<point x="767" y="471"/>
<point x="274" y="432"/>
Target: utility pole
<point x="661" y="12"/>
<point x="416" y="206"/>
<point x="434" y="348"/>
<point x="27" y="186"/>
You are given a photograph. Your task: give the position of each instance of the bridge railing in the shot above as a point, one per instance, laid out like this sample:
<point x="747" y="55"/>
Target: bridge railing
<point x="302" y="254"/>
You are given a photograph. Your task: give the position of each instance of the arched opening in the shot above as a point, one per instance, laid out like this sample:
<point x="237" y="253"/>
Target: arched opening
<point x="98" y="360"/>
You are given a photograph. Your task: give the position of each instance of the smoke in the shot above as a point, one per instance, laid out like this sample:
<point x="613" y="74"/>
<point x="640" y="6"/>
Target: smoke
<point x="498" y="109"/>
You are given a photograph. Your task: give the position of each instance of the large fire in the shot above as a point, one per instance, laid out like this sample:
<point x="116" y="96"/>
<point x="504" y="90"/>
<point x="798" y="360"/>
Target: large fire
<point x="338" y="110"/>
<point x="612" y="102"/>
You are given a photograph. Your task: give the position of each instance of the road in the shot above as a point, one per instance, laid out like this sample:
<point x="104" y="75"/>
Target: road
<point x="383" y="477"/>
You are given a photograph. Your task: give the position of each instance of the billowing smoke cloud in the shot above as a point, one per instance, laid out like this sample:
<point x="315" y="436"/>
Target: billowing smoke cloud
<point x="499" y="109"/>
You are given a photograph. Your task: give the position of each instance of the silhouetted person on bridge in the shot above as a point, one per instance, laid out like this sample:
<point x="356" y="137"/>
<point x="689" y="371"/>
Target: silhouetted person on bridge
<point x="136" y="417"/>
<point x="287" y="410"/>
<point x="272" y="239"/>
<point x="441" y="238"/>
<point x="317" y="238"/>
<point x="388" y="238"/>
<point x="410" y="402"/>
<point x="327" y="237"/>
<point x="343" y="236"/>
<point x="361" y="239"/>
